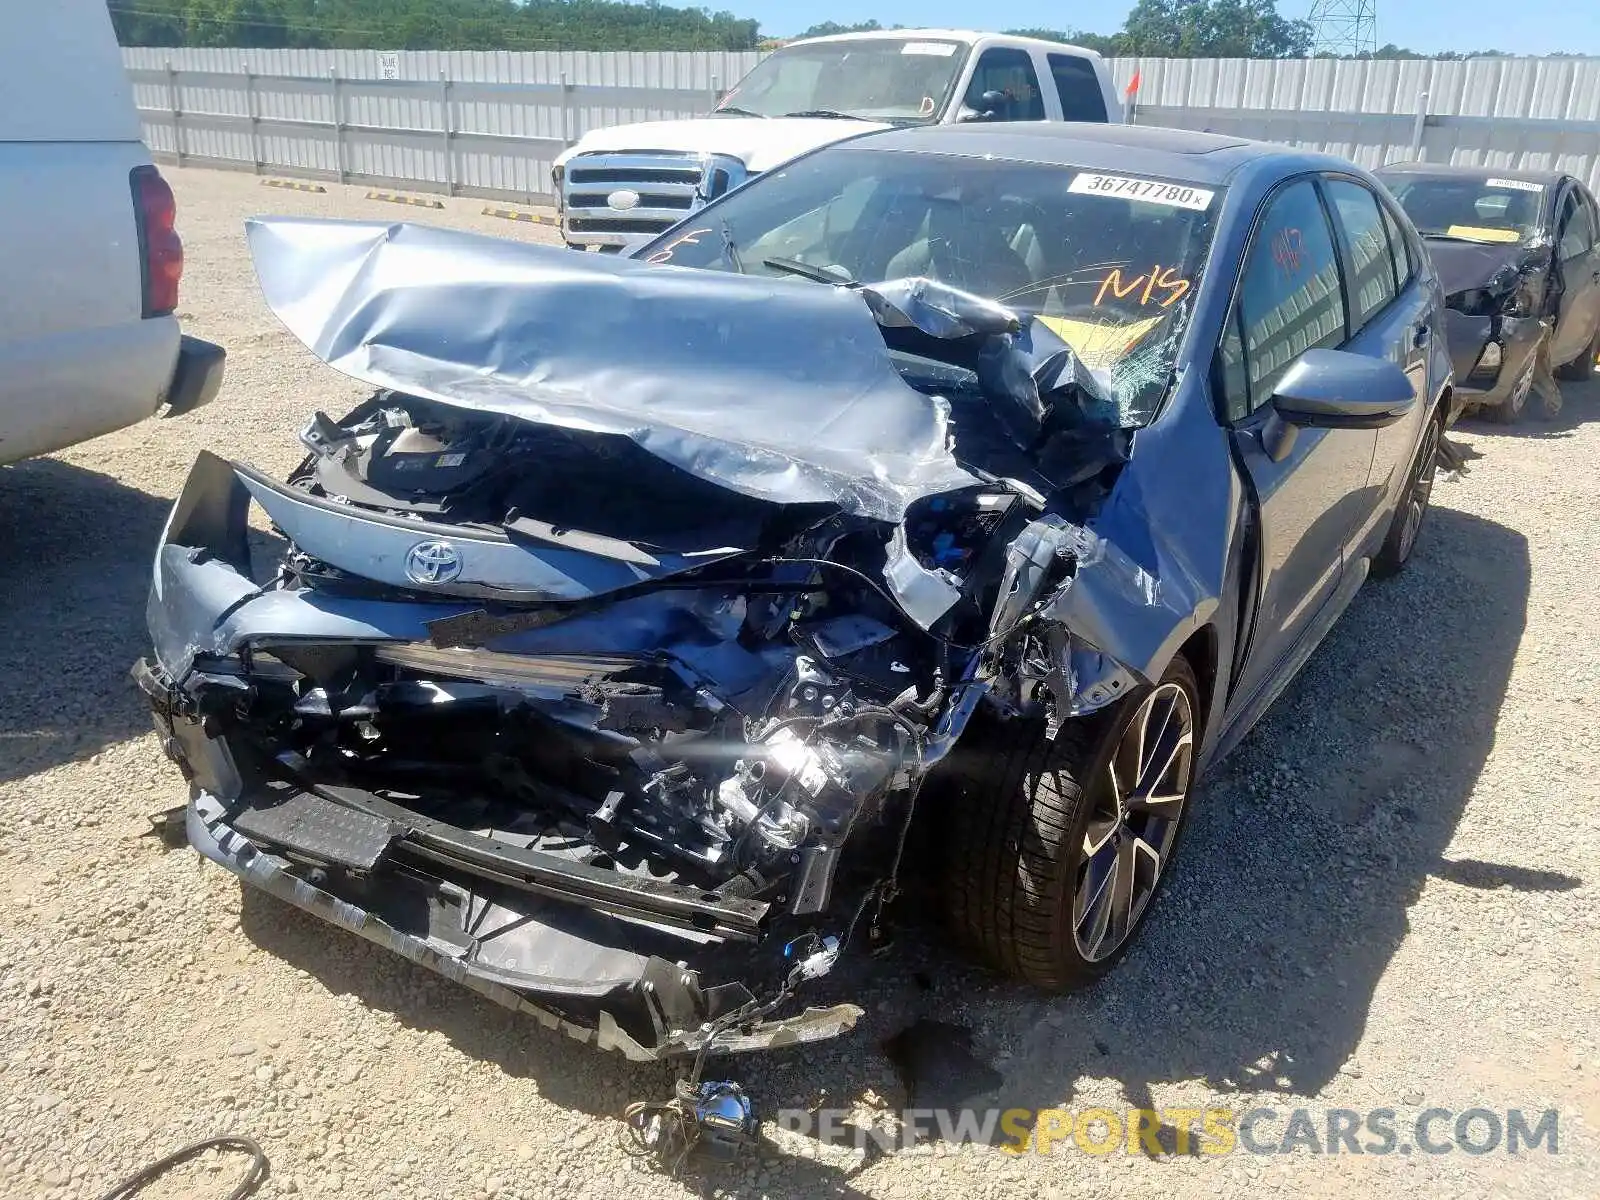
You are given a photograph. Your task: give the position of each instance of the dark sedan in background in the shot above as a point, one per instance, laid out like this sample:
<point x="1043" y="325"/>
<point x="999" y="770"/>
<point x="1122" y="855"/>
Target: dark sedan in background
<point x="1518" y="254"/>
<point x="616" y="636"/>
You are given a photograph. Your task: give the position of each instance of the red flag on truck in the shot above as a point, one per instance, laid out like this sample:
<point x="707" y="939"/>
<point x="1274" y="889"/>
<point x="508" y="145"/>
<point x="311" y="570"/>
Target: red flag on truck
<point x="1133" y="84"/>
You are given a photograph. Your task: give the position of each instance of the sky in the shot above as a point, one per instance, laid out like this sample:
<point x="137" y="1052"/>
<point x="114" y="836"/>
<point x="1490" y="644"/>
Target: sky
<point x="1526" y="27"/>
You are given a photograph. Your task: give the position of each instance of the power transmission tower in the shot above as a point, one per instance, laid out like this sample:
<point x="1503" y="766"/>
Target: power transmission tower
<point x="1345" y="27"/>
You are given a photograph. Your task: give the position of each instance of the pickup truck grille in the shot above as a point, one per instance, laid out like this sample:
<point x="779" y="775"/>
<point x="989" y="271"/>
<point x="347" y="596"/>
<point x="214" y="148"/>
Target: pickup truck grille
<point x="669" y="187"/>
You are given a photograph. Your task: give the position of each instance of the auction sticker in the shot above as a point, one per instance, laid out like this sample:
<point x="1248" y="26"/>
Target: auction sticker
<point x="1516" y="185"/>
<point x="935" y="49"/>
<point x="1125" y="187"/>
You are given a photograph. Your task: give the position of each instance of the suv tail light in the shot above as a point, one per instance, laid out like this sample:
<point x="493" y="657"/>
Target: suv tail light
<point x="160" y="249"/>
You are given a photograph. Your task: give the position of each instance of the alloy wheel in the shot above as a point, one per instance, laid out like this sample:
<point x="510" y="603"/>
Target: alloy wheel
<point x="1137" y="808"/>
<point x="1420" y="493"/>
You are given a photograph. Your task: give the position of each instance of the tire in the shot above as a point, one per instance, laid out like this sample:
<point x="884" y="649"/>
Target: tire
<point x="1412" y="511"/>
<point x="1510" y="410"/>
<point x="1024" y="811"/>
<point x="1582" y="368"/>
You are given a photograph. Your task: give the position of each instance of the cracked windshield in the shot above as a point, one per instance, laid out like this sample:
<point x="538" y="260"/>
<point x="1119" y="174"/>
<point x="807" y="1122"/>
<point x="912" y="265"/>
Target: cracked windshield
<point x="892" y="80"/>
<point x="1110" y="263"/>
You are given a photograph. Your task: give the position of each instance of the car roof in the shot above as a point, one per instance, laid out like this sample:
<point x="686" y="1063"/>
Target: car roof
<point x="967" y="37"/>
<point x="1425" y="170"/>
<point x="1138" y="149"/>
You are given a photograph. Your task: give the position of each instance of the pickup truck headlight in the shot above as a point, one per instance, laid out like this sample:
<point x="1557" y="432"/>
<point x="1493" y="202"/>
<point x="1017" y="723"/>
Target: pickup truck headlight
<point x="558" y="176"/>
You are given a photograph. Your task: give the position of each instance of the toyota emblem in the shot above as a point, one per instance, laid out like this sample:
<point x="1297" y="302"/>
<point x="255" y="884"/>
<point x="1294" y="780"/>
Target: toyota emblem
<point x="433" y="562"/>
<point x="623" y="200"/>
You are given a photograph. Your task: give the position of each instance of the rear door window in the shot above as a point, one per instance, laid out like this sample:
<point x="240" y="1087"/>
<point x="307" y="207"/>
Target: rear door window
<point x="1079" y="88"/>
<point x="1369" y="267"/>
<point x="1009" y="71"/>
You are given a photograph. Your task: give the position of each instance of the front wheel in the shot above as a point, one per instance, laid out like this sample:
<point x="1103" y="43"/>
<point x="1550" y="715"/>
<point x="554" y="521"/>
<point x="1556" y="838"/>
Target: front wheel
<point x="1055" y="850"/>
<point x="1413" y="508"/>
<point x="1509" y="411"/>
<point x="1581" y="368"/>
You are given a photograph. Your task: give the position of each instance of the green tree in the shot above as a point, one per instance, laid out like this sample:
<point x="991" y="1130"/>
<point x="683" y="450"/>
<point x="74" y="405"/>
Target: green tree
<point x="1108" y="44"/>
<point x="830" y="28"/>
<point x="430" y="24"/>
<point x="1213" y="29"/>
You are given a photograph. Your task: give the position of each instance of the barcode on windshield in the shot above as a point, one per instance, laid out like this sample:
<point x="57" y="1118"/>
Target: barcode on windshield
<point x="1124" y="187"/>
<point x="1516" y="185"/>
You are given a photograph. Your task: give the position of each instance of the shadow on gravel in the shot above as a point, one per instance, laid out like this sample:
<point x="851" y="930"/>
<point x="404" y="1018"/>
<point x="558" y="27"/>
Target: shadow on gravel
<point x="77" y="547"/>
<point x="1490" y="876"/>
<point x="568" y="1073"/>
<point x="1580" y="404"/>
<point x="1255" y="972"/>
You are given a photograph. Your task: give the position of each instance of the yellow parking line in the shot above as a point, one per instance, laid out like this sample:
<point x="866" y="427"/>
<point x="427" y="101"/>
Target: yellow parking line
<point x="512" y="214"/>
<point x="398" y="198"/>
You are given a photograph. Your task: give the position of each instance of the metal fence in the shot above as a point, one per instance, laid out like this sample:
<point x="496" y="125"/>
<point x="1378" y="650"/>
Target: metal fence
<point x="1531" y="113"/>
<point x="480" y="123"/>
<point x="490" y="123"/>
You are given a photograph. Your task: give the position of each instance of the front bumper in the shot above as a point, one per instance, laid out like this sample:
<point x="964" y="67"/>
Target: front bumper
<point x="643" y="967"/>
<point x="569" y="968"/>
<point x="1518" y="339"/>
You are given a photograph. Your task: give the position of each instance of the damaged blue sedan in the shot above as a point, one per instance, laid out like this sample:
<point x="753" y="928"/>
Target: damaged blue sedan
<point x="989" y="478"/>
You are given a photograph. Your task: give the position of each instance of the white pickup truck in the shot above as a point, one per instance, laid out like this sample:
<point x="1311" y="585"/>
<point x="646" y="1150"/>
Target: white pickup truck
<point x="617" y="188"/>
<point x="89" y="253"/>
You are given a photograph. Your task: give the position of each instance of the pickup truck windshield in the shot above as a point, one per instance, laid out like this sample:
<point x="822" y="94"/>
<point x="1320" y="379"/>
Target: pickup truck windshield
<point x="891" y="79"/>
<point x="1110" y="263"/>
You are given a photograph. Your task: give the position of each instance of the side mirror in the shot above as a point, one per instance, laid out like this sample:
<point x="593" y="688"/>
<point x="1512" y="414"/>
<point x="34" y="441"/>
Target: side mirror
<point x="1334" y="389"/>
<point x="990" y="105"/>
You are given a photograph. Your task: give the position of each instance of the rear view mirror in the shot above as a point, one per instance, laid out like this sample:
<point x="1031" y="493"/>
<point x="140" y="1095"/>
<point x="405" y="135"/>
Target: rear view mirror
<point x="1334" y="389"/>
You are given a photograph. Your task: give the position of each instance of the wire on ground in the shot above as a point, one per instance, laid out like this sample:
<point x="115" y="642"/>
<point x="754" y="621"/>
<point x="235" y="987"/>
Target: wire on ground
<point x="253" y="1178"/>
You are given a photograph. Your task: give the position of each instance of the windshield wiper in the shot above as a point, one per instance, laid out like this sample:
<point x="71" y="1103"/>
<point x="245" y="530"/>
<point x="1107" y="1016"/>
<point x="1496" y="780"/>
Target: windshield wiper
<point x="793" y="266"/>
<point x="733" y="110"/>
<point x="1441" y="236"/>
<point x="827" y="114"/>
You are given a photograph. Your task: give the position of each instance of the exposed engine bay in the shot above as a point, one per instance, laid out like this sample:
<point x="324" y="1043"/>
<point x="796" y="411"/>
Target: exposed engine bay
<point x="752" y="720"/>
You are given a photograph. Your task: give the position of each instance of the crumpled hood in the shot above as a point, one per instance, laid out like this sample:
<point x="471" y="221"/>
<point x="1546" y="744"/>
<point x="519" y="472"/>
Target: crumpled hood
<point x="778" y="389"/>
<point x="760" y="144"/>
<point x="1466" y="265"/>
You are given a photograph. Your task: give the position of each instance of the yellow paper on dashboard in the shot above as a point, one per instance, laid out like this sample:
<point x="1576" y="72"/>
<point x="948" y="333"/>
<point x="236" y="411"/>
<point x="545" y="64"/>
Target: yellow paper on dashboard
<point x="1479" y="233"/>
<point x="1097" y="344"/>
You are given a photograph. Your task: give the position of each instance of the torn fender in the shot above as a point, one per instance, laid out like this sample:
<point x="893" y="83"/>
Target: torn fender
<point x="1156" y="568"/>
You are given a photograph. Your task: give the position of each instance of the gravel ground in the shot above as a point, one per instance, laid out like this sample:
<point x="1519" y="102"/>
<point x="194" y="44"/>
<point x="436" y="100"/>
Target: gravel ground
<point x="1387" y="897"/>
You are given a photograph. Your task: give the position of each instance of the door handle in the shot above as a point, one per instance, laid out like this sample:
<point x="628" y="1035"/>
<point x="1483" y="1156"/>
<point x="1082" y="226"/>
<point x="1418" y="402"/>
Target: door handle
<point x="1421" y="334"/>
